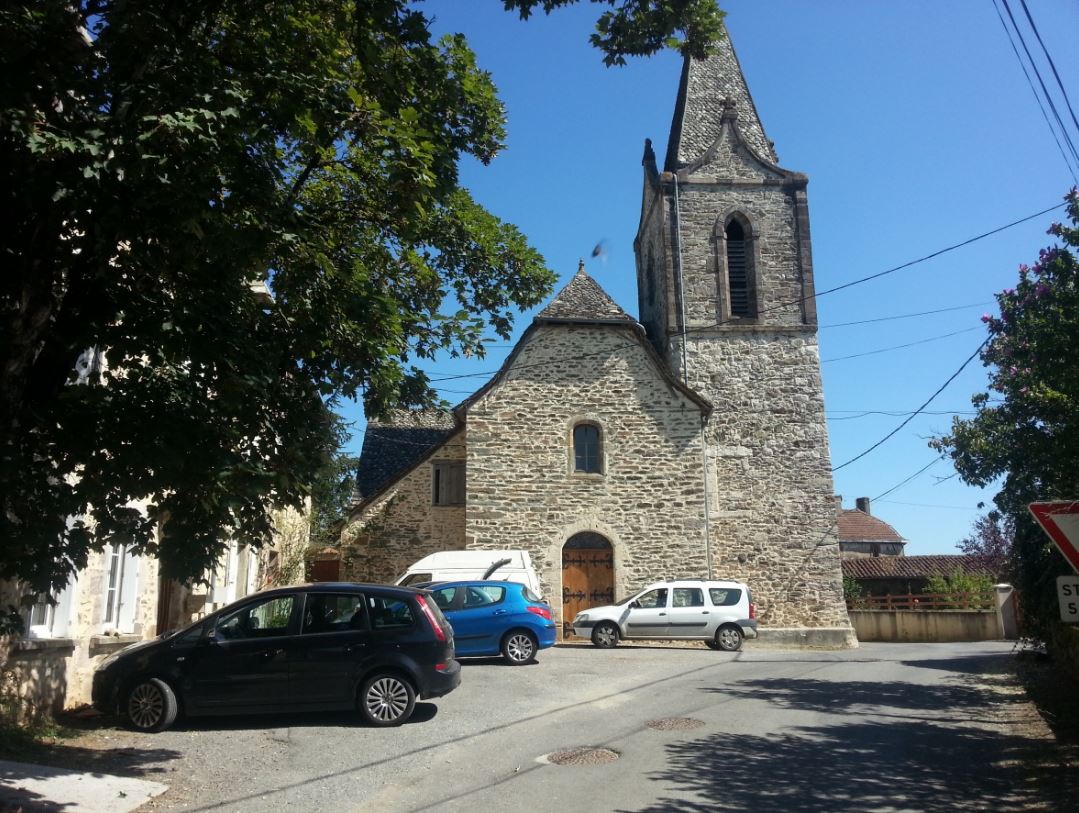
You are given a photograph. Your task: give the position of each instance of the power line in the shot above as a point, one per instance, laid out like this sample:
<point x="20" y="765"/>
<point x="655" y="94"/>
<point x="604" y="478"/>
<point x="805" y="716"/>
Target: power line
<point x="901" y="346"/>
<point x="930" y="505"/>
<point x="1030" y="83"/>
<point x="1052" y="64"/>
<point x="918" y="411"/>
<point x="902" y="483"/>
<point x="889" y="414"/>
<point x="905" y="315"/>
<point x="799" y="300"/>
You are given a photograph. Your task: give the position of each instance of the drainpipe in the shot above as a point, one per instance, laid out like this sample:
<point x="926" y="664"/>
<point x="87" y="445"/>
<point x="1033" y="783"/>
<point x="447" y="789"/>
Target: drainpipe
<point x="685" y="373"/>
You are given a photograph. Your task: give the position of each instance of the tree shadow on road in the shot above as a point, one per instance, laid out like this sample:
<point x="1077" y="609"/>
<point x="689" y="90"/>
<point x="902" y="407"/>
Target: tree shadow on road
<point x="909" y="701"/>
<point x="857" y="768"/>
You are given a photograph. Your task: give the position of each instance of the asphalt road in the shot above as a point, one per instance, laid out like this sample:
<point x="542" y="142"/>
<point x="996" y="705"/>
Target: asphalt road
<point x="900" y="727"/>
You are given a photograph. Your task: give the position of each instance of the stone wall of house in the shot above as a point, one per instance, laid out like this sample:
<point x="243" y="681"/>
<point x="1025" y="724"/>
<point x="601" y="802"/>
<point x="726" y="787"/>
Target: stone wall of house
<point x="401" y="525"/>
<point x="523" y="492"/>
<point x="55" y="673"/>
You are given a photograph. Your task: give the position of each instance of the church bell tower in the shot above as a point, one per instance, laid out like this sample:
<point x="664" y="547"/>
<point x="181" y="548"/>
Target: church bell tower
<point x="725" y="287"/>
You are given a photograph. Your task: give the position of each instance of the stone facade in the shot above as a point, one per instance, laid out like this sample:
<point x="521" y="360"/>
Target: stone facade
<point x="523" y="491"/>
<point x="715" y="447"/>
<point x="401" y="525"/>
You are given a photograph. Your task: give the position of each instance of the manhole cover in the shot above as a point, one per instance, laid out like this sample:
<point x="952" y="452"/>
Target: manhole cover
<point x="674" y="723"/>
<point x="586" y="755"/>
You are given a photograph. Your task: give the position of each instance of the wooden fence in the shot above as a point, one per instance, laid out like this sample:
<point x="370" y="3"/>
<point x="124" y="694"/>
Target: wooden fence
<point x="925" y="601"/>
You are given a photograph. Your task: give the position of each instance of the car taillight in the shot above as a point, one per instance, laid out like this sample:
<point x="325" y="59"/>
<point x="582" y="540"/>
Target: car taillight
<point x="752" y="610"/>
<point x="440" y="667"/>
<point x="430" y="616"/>
<point x="542" y="612"/>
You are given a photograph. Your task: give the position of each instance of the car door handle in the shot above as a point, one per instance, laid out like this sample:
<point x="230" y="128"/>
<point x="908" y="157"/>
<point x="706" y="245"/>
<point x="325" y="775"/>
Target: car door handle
<point x="270" y="654"/>
<point x="704" y="612"/>
<point x="353" y="648"/>
<point x="662" y="613"/>
<point x="499" y="612"/>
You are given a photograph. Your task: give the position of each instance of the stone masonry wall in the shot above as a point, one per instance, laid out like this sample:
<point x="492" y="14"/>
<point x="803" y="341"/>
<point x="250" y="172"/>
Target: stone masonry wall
<point x="771" y="510"/>
<point x="523" y="491"/>
<point x="401" y="525"/>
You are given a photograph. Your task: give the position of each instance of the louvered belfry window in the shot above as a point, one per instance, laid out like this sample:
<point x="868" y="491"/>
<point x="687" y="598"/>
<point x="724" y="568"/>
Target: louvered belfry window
<point x="737" y="270"/>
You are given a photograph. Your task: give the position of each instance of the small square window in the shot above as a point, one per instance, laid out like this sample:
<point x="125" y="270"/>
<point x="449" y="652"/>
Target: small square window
<point x="448" y="483"/>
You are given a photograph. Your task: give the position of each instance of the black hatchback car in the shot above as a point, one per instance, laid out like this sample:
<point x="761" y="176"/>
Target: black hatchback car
<point x="308" y="647"/>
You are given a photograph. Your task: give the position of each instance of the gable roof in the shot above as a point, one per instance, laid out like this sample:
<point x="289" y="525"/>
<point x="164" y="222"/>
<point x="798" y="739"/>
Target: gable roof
<point x="582" y="300"/>
<point x="858" y="526"/>
<point x="912" y="567"/>
<point x="395" y="445"/>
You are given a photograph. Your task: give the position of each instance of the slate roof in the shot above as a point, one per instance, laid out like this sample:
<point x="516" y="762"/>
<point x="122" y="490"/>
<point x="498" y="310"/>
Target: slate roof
<point x="704" y="87"/>
<point x="582" y="300"/>
<point x="393" y="446"/>
<point x="858" y="526"/>
<point x="912" y="567"/>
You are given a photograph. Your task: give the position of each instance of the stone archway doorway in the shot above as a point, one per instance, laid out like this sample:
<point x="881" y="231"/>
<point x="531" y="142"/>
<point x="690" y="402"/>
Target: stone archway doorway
<point x="587" y="575"/>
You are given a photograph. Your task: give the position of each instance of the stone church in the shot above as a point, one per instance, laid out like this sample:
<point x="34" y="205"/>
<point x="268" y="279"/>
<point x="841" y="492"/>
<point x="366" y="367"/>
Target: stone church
<point x="691" y="443"/>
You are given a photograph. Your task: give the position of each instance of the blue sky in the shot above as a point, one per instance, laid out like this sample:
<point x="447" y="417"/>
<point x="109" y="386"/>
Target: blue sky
<point x="917" y="130"/>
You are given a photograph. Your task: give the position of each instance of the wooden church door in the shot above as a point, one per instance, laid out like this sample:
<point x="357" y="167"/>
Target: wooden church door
<point x="587" y="575"/>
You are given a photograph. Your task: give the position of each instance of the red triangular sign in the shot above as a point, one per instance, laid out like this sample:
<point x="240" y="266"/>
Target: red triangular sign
<point x="1061" y="521"/>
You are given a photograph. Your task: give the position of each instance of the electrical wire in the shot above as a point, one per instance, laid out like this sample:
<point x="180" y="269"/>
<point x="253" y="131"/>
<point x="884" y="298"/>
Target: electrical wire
<point x="918" y="411"/>
<point x="1052" y="64"/>
<point x="1037" y="98"/>
<point x="799" y="300"/>
<point x="904" y="316"/>
<point x="902" y="483"/>
<point x="902" y="346"/>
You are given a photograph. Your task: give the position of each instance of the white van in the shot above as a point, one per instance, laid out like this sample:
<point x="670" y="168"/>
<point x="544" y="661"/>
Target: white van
<point x="461" y="565"/>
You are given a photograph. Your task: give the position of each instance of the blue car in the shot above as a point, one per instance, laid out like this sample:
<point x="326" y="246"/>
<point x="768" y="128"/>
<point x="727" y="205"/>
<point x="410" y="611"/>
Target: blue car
<point x="492" y="617"/>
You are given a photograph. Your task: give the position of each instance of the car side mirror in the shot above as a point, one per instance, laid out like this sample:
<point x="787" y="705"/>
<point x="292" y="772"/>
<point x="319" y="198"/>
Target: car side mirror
<point x="635" y="605"/>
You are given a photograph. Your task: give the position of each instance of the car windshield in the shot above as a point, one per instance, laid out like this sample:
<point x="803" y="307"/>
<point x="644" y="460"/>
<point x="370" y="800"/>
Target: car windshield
<point x="628" y="599"/>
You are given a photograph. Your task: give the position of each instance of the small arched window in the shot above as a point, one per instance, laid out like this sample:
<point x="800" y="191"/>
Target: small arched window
<point x="587" y="449"/>
<point x="738" y="270"/>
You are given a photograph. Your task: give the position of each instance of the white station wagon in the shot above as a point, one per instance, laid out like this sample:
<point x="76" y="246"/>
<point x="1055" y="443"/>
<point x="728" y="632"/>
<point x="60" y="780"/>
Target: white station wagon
<point x="720" y="613"/>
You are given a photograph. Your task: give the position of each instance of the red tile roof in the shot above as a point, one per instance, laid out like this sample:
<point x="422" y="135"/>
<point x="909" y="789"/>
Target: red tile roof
<point x="911" y="567"/>
<point x="858" y="526"/>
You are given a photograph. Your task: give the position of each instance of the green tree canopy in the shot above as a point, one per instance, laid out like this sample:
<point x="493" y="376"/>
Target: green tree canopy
<point x="161" y="158"/>
<point x="1026" y="431"/>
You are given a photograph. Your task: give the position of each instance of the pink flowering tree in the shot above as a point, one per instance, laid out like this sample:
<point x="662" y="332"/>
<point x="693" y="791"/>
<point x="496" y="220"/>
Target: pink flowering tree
<point x="1025" y="435"/>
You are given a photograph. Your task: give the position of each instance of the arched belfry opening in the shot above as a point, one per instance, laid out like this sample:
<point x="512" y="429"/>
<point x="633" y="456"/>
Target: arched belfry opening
<point x="587" y="575"/>
<point x="740" y="288"/>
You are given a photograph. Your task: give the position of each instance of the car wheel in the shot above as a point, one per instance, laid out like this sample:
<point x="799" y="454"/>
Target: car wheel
<point x="712" y="643"/>
<point x="387" y="699"/>
<point x="519" y="647"/>
<point x="605" y="635"/>
<point x="729" y="638"/>
<point x="150" y="705"/>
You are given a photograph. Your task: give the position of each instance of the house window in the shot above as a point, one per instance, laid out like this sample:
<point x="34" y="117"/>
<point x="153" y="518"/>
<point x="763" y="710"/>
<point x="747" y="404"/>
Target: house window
<point x="739" y="290"/>
<point x="448" y="484"/>
<point x="587" y="449"/>
<point x="122" y="568"/>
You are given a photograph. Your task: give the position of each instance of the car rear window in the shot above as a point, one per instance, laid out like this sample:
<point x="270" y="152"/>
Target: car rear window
<point x="416" y="578"/>
<point x="387" y="613"/>
<point x="529" y="595"/>
<point x="482" y="595"/>
<point x="332" y="612"/>
<point x="724" y="596"/>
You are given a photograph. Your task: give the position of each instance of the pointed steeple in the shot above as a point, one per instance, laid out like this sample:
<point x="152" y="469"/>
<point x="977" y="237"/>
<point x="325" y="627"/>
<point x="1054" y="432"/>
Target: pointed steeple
<point x="582" y="300"/>
<point x="709" y="89"/>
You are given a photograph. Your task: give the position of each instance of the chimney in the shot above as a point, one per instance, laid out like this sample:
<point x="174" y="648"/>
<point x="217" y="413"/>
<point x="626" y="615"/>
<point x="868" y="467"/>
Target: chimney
<point x="839" y="503"/>
<point x="862" y="504"/>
